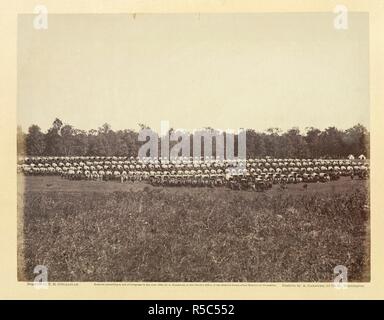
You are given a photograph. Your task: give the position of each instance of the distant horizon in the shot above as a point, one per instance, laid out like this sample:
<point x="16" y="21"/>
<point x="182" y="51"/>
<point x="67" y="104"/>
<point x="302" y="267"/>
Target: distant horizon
<point x="157" y="130"/>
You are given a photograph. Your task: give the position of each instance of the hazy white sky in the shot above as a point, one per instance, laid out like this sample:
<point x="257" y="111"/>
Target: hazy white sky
<point x="223" y="71"/>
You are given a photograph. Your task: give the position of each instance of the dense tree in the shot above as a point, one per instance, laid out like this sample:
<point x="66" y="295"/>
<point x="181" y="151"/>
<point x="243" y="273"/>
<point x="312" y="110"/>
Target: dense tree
<point x="312" y="139"/>
<point x="65" y="140"/>
<point x="68" y="140"/>
<point x="53" y="141"/>
<point x="356" y="139"/>
<point x="35" y="141"/>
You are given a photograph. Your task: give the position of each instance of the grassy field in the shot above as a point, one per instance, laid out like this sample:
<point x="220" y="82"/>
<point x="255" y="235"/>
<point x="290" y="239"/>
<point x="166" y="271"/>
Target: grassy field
<point x="97" y="231"/>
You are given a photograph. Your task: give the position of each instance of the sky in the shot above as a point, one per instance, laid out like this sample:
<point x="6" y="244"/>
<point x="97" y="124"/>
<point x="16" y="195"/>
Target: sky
<point x="225" y="71"/>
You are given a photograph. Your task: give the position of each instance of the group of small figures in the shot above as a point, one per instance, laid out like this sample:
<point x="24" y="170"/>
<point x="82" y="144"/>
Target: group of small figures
<point x="250" y="174"/>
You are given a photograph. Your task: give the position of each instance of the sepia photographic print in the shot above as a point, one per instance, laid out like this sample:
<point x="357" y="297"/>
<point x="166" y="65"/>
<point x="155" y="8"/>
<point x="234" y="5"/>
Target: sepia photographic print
<point x="193" y="147"/>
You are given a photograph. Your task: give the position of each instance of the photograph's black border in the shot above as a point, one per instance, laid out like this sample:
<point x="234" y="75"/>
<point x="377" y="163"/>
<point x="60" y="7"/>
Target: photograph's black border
<point x="243" y="309"/>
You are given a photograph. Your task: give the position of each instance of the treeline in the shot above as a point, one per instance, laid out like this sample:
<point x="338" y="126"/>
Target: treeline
<point x="65" y="140"/>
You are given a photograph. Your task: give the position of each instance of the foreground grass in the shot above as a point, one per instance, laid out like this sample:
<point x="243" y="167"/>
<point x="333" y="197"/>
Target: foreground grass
<point x="155" y="235"/>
